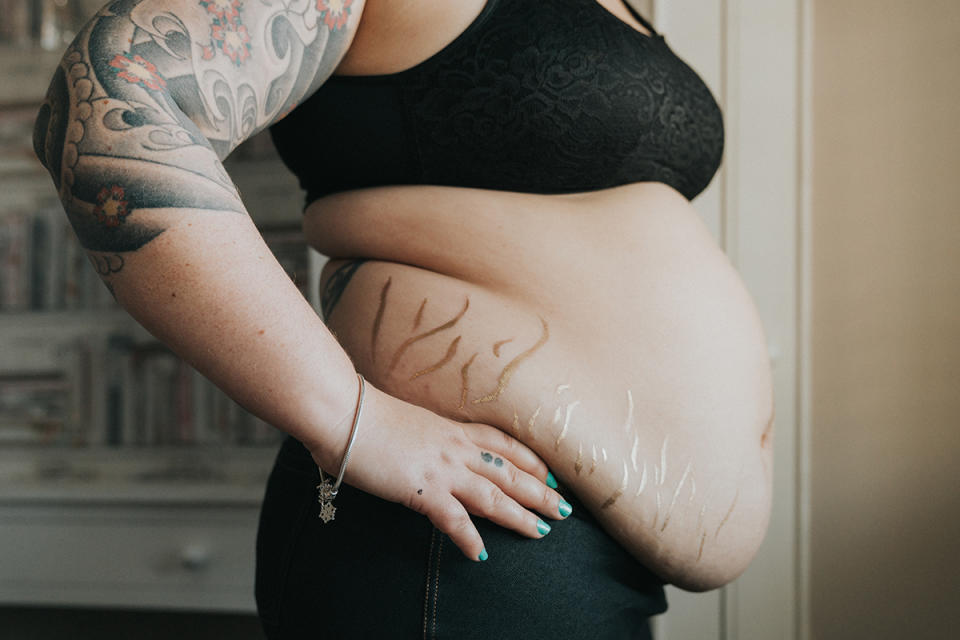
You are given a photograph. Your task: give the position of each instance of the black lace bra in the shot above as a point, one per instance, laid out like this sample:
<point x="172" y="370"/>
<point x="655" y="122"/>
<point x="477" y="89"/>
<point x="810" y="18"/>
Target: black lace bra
<point x="539" y="96"/>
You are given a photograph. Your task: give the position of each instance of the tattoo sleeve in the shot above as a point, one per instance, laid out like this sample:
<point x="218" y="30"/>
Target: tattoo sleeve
<point x="153" y="94"/>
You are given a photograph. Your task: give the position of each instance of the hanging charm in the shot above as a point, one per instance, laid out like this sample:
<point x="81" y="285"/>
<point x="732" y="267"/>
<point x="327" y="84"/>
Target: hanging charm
<point x="325" y="496"/>
<point x="327" y="511"/>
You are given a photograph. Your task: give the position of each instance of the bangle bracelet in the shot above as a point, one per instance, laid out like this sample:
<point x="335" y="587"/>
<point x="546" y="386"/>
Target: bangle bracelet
<point x="326" y="491"/>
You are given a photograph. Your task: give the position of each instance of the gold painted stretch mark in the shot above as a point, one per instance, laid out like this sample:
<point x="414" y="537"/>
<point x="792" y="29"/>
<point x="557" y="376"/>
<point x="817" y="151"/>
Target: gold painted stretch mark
<point x="533" y="420"/>
<point x="619" y="492"/>
<point x="703" y="538"/>
<point x="629" y="422"/>
<point x="463" y="381"/>
<point x="557" y="414"/>
<point x="663" y="459"/>
<point x="729" y="511"/>
<point x="676" y="494"/>
<point x="511" y="367"/>
<point x="566" y="423"/>
<point x="451" y="351"/>
<point x="416" y="320"/>
<point x="516" y="421"/>
<point x="410" y="341"/>
<point x="578" y="465"/>
<point x="643" y="479"/>
<point x="593" y="458"/>
<point x="497" y="345"/>
<point x="375" y="332"/>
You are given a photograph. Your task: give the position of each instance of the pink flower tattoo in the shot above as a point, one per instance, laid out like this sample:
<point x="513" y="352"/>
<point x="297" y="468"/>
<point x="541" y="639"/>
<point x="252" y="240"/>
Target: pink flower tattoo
<point x="233" y="40"/>
<point x="138" y="71"/>
<point x="224" y="10"/>
<point x="112" y="206"/>
<point x="334" y="12"/>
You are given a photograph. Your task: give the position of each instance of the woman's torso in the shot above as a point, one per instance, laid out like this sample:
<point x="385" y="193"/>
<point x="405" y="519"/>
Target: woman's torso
<point x="606" y="330"/>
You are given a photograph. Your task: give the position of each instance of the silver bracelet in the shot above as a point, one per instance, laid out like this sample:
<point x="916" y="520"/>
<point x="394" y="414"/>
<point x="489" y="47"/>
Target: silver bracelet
<point x="326" y="491"/>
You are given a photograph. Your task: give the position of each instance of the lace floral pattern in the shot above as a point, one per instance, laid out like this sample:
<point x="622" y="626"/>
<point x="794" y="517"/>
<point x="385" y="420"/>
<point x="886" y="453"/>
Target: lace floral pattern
<point x="554" y="97"/>
<point x="544" y="96"/>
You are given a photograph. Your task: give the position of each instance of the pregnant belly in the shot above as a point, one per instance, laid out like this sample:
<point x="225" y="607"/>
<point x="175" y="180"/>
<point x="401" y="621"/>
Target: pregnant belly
<point x="606" y="331"/>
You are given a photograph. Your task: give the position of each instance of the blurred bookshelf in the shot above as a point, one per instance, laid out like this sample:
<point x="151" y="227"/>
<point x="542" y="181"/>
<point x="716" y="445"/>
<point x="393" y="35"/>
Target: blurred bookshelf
<point x="99" y="421"/>
<point x="76" y="371"/>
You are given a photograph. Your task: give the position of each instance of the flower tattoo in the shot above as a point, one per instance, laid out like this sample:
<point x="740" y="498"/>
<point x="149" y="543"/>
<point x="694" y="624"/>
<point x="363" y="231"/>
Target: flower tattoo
<point x="111" y="207"/>
<point x="223" y="10"/>
<point x="138" y="71"/>
<point x="233" y="40"/>
<point x="334" y="12"/>
<point x="227" y="32"/>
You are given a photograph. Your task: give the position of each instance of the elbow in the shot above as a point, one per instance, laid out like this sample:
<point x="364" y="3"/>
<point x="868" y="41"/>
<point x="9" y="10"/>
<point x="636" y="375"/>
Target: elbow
<point x="50" y="126"/>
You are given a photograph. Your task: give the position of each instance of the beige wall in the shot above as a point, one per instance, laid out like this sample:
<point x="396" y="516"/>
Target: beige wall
<point x="885" y="545"/>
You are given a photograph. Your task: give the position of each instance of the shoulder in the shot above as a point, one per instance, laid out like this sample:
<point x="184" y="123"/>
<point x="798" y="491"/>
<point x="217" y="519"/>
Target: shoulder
<point x="393" y="36"/>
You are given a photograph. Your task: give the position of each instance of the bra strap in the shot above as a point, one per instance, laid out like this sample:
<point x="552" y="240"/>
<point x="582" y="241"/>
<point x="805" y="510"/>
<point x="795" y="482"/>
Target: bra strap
<point x="640" y="18"/>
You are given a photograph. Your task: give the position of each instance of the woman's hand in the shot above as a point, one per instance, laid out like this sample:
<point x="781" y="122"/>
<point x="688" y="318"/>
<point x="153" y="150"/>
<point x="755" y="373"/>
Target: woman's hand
<point x="445" y="470"/>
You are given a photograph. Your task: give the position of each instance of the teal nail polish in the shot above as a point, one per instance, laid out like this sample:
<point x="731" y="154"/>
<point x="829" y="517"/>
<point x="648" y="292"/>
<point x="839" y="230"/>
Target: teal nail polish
<point x="483" y="555"/>
<point x="551" y="481"/>
<point x="565" y="508"/>
<point x="543" y="527"/>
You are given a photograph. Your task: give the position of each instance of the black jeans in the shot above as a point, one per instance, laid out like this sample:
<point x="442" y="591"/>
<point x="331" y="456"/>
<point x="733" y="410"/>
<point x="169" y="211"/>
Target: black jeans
<point x="380" y="570"/>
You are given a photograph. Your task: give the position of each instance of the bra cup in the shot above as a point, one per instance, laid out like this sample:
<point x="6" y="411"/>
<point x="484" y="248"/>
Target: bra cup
<point x="539" y="96"/>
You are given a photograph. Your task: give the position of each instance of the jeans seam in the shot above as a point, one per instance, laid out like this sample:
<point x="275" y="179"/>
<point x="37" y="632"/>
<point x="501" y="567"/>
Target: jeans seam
<point x="426" y="595"/>
<point x="436" y="587"/>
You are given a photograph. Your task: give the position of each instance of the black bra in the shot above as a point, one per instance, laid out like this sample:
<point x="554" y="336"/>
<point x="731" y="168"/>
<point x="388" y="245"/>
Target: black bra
<point x="539" y="96"/>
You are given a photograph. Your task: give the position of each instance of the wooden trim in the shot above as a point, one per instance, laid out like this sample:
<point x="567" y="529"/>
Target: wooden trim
<point x="804" y="316"/>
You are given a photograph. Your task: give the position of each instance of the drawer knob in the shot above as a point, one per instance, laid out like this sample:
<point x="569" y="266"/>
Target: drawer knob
<point x="195" y="557"/>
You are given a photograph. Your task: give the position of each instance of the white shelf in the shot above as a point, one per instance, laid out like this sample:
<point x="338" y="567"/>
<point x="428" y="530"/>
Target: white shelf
<point x="183" y="475"/>
<point x="73" y="320"/>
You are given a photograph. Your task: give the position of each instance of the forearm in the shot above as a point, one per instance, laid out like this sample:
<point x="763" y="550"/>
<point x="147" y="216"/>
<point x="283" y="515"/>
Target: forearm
<point x="210" y="289"/>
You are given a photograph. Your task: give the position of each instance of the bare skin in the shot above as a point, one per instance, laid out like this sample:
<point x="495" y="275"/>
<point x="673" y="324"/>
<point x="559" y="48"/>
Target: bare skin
<point x="637" y="371"/>
<point x="538" y="320"/>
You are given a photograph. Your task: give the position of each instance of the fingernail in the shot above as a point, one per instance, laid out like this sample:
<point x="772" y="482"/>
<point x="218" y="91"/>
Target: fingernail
<point x="565" y="508"/>
<point x="551" y="481"/>
<point x="483" y="555"/>
<point x="543" y="527"/>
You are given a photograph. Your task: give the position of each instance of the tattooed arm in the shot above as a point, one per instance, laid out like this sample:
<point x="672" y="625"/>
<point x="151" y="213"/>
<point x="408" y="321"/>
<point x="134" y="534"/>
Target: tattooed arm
<point x="144" y="105"/>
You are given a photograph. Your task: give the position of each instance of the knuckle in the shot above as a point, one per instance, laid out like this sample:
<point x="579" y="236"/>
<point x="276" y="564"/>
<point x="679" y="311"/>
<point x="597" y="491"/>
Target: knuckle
<point x="547" y="499"/>
<point x="450" y="518"/>
<point x="495" y="499"/>
<point x="508" y="444"/>
<point x="513" y="475"/>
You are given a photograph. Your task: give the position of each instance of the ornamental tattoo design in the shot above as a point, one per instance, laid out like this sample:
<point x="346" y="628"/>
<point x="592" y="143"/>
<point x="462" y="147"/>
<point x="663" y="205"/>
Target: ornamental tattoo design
<point x="111" y="206"/>
<point x="227" y="32"/>
<point x="334" y="13"/>
<point x="149" y="98"/>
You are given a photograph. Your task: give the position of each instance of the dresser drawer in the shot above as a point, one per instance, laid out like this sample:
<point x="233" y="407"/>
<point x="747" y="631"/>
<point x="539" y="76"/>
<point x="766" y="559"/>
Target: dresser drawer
<point x="195" y="557"/>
